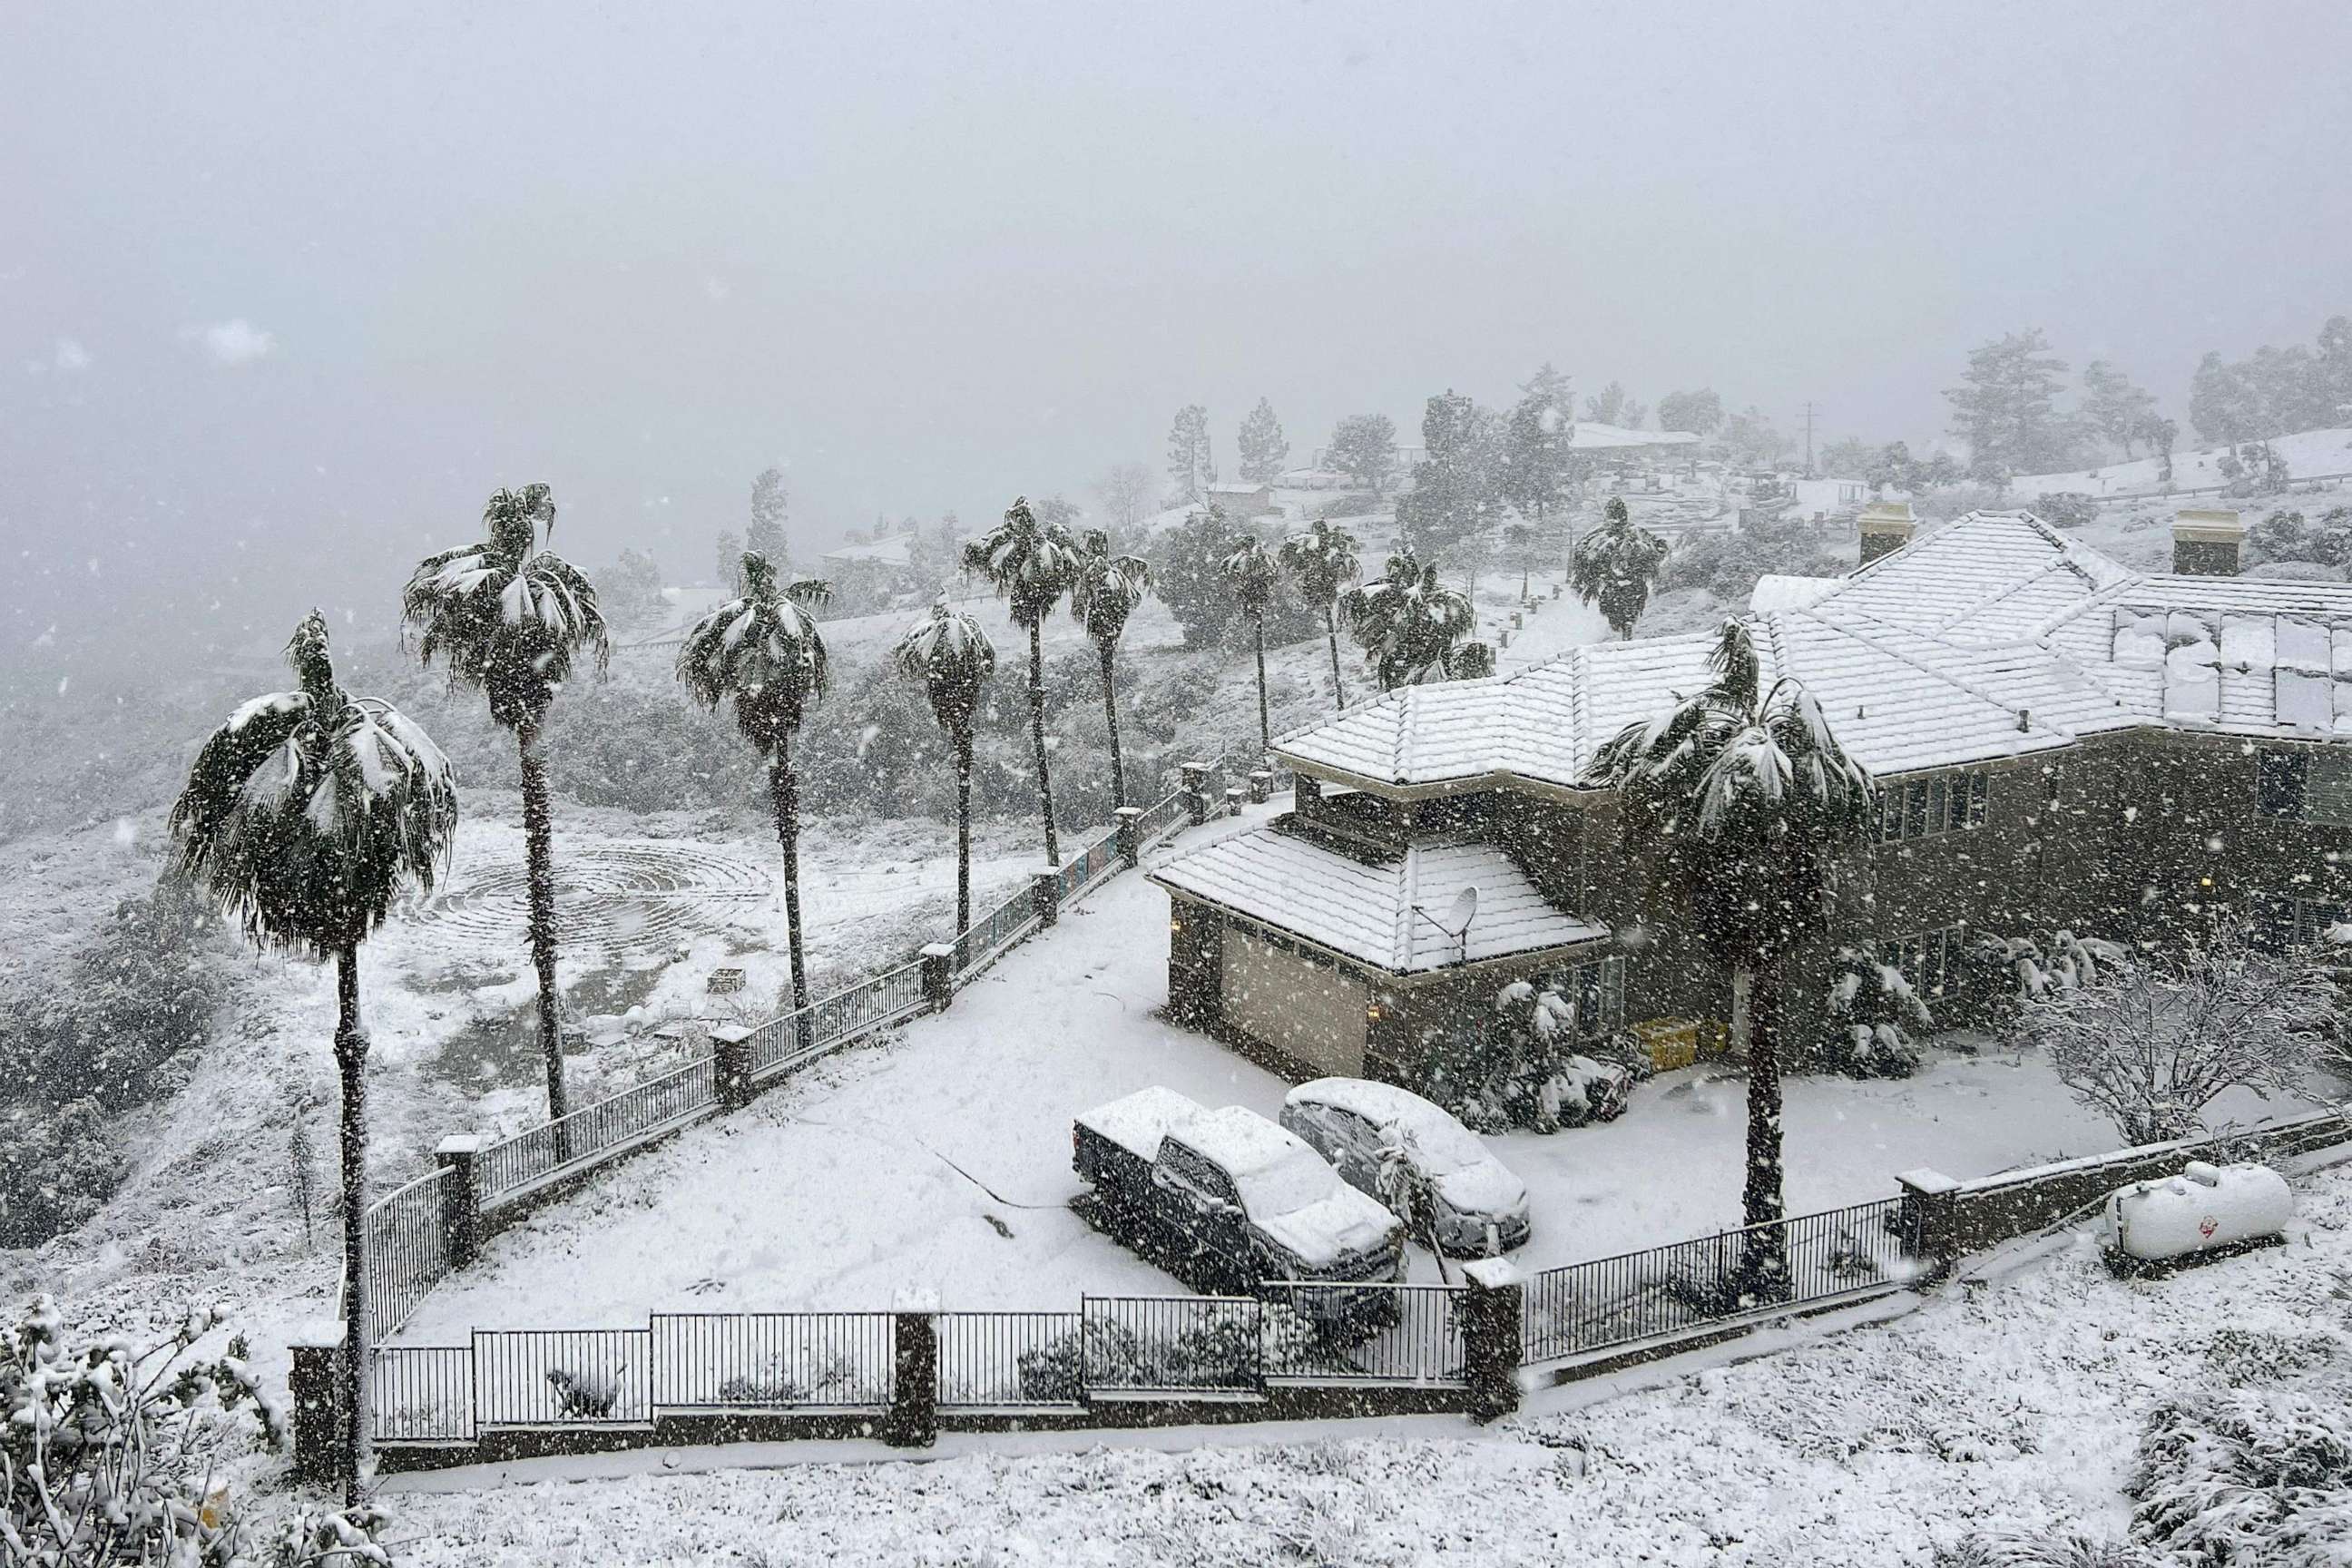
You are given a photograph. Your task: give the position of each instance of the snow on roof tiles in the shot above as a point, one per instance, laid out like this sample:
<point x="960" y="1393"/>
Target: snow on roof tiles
<point x="1989" y="638"/>
<point x="1363" y="908"/>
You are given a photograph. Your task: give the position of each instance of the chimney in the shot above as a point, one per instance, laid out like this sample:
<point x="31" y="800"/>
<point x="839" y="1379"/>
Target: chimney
<point x="1887" y="528"/>
<point x="2205" y="543"/>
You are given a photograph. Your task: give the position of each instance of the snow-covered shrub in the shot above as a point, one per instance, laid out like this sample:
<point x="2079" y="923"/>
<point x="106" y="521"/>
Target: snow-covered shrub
<point x="2287" y="536"/>
<point x="2067" y="508"/>
<point x="2064" y="1548"/>
<point x="58" y="1167"/>
<point x="1870" y="1003"/>
<point x="2011" y="971"/>
<point x="2264" y="1355"/>
<point x="2247" y="1476"/>
<point x="1529" y="1067"/>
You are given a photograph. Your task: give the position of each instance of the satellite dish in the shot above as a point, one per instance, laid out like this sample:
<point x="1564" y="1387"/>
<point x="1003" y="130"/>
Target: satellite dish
<point x="1463" y="911"/>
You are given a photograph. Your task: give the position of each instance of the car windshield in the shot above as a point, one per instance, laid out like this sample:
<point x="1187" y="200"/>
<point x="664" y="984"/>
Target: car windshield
<point x="1292" y="1179"/>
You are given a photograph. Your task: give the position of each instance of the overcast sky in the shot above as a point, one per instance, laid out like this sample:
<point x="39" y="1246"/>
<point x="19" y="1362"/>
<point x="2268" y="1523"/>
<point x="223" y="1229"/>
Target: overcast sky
<point x="284" y="293"/>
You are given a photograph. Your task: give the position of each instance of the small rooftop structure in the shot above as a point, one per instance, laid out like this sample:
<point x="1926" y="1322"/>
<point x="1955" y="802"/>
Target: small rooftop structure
<point x="893" y="552"/>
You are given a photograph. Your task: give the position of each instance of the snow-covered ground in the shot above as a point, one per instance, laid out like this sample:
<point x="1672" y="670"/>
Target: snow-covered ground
<point x="2014" y="1403"/>
<point x="2309" y="453"/>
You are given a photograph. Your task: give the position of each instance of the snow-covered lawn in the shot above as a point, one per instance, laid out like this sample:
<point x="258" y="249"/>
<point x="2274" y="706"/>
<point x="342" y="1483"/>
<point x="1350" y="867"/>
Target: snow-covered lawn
<point x="2307" y="455"/>
<point x="2014" y="1403"/>
<point x="941" y="1157"/>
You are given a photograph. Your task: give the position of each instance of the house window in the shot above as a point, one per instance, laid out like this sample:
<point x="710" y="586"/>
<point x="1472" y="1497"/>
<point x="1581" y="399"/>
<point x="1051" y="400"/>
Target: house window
<point x="1921" y="808"/>
<point x="2304" y="786"/>
<point x="1597" y="987"/>
<point x="1936" y="961"/>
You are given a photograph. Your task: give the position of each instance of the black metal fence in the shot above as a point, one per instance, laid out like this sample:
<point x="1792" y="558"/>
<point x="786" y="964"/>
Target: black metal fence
<point x="407" y="1249"/>
<point x="594" y="1130"/>
<point x="1009" y="1361"/>
<point x="422" y="1394"/>
<point x="540" y="1377"/>
<point x="1172" y="1344"/>
<point x="1365" y="1333"/>
<point x="1667" y="1290"/>
<point x="772" y="1361"/>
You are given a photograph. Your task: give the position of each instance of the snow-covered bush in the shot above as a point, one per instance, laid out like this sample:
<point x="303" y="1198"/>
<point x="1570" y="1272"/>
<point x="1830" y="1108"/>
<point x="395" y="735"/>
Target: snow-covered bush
<point x="1999" y="1548"/>
<point x="1528" y="1067"/>
<point x="2067" y="508"/>
<point x="1870" y="1003"/>
<point x="2010" y="971"/>
<point x="2247" y="1476"/>
<point x="2287" y="536"/>
<point x="58" y="1167"/>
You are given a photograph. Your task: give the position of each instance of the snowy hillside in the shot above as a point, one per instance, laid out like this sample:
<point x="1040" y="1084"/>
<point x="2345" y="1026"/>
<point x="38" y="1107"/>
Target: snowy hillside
<point x="2308" y="454"/>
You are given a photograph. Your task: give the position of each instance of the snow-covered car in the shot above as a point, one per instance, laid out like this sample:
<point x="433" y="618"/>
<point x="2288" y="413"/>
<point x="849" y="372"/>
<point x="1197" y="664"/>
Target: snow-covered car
<point x="1478" y="1206"/>
<point x="1227" y="1199"/>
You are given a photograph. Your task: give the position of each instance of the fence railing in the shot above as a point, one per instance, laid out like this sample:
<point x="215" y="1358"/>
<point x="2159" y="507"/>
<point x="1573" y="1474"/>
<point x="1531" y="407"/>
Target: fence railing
<point x="1088" y="866"/>
<point x="592" y="1129"/>
<point x="422" y="1394"/>
<point x="1009" y="1360"/>
<point x="1172" y="1344"/>
<point x="407" y="1249"/>
<point x="1663" y="1290"/>
<point x="538" y="1377"/>
<point x="773" y="1360"/>
<point x="1161" y="819"/>
<point x="1365" y="1333"/>
<point x="995" y="932"/>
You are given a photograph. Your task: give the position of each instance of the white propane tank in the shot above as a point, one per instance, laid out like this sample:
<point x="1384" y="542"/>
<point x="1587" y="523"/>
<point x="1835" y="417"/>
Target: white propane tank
<point x="2204" y="1207"/>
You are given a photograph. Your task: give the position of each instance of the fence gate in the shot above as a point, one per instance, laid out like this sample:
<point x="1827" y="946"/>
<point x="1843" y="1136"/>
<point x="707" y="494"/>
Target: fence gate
<point x="1172" y="1345"/>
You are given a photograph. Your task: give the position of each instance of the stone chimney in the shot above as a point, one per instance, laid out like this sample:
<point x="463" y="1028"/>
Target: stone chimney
<point x="2205" y="543"/>
<point x="1886" y="527"/>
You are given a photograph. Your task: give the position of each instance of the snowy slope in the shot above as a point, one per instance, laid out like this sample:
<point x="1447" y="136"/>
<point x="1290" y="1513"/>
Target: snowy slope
<point x="2309" y="453"/>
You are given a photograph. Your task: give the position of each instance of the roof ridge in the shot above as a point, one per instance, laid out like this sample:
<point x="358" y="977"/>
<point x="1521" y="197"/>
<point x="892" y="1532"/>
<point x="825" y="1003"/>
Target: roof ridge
<point x="1946" y="676"/>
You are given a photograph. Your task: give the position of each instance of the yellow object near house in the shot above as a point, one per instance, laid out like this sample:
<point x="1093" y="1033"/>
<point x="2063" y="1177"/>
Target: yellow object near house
<point x="1670" y="1042"/>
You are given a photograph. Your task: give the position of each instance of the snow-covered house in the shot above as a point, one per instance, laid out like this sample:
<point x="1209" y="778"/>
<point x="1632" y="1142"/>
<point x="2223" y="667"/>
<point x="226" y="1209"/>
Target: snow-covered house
<point x="1240" y="499"/>
<point x="1816" y="498"/>
<point x="2060" y="743"/>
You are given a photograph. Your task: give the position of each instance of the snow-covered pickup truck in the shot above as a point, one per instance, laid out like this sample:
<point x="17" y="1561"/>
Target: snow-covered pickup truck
<point x="1229" y="1202"/>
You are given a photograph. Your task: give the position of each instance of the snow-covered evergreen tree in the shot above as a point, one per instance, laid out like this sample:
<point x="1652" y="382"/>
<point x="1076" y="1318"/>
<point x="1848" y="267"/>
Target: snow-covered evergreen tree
<point x="1872" y="1008"/>
<point x="1408" y="620"/>
<point x="1263" y="447"/>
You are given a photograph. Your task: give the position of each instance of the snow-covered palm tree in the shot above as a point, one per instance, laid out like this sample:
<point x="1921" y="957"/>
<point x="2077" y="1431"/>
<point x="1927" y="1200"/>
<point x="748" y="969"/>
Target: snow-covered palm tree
<point x="1250" y="571"/>
<point x="1031" y="564"/>
<point x="1322" y="562"/>
<point x="763" y="652"/>
<point x="951" y="656"/>
<point x="1408" y="620"/>
<point x="1742" y="797"/>
<point x="1616" y="565"/>
<point x="1105" y="591"/>
<point x="511" y="619"/>
<point x="304" y="817"/>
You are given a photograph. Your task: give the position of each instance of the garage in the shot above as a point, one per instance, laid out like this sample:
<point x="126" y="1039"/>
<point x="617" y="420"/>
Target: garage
<point x="1302" y="1006"/>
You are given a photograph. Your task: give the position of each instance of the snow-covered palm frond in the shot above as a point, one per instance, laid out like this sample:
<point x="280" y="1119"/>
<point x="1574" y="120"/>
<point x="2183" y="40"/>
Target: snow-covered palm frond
<point x="1408" y="620"/>
<point x="950" y="653"/>
<point x="1108" y="587"/>
<point x="762" y="651"/>
<point x="509" y="618"/>
<point x="1322" y="561"/>
<point x="307" y="813"/>
<point x="1031" y="563"/>
<point x="1249" y="569"/>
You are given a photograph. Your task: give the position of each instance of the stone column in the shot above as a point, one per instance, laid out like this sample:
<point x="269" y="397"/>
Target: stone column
<point x="1491" y="1306"/>
<point x="731" y="1055"/>
<point x="1261" y="786"/>
<point x="939" y="974"/>
<point x="1931" y="1216"/>
<point x="1196" y="791"/>
<point x="1045" y="896"/>
<point x="1130" y="834"/>
<point x="913" y="1421"/>
<point x="1234" y="795"/>
<point x="318" y="1389"/>
<point x="461" y="1197"/>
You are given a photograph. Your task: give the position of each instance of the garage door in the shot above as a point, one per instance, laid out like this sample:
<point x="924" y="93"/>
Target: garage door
<point x="1307" y="1009"/>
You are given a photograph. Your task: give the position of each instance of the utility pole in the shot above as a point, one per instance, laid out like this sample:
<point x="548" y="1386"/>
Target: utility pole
<point x="1808" y="440"/>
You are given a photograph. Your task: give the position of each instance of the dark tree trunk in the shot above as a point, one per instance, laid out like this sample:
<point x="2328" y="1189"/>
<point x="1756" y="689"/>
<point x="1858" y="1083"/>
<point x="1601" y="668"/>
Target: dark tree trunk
<point x="1331" y="636"/>
<point x="964" y="831"/>
<point x="538" y="849"/>
<point x="784" y="797"/>
<point x="1111" y="714"/>
<point x="1037" y="742"/>
<point x="351" y="1067"/>
<point x="1264" y="730"/>
<point x="1766" y="1264"/>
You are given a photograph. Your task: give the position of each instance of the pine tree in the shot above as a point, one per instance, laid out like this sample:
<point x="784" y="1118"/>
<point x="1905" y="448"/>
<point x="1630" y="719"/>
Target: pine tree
<point x="2113" y="404"/>
<point x="1363" y="447"/>
<point x="1536" y="458"/>
<point x="2007" y="408"/>
<point x="1190" y="464"/>
<point x="1700" y="412"/>
<point x="1454" y="492"/>
<point x="1609" y="405"/>
<point x="731" y="560"/>
<point x="770" y="502"/>
<point x="302" y="1166"/>
<point x="1263" y="451"/>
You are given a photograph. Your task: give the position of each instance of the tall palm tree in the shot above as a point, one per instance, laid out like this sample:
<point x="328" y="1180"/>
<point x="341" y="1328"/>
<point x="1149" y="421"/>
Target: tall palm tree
<point x="510" y="619"/>
<point x="1249" y="569"/>
<point x="1743" y="797"/>
<point x="1322" y="562"/>
<point x="763" y="650"/>
<point x="1616" y="565"/>
<point x="1408" y="620"/>
<point x="1105" y="592"/>
<point x="1032" y="565"/>
<point x="951" y="656"/>
<point x="304" y="817"/>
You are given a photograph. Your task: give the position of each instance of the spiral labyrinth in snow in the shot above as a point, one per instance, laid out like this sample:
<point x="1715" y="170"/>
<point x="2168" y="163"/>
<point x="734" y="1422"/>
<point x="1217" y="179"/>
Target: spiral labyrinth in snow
<point x="649" y="895"/>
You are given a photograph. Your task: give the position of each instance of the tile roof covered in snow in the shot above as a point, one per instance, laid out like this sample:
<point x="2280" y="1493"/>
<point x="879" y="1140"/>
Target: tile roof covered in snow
<point x="1363" y="907"/>
<point x="1994" y="637"/>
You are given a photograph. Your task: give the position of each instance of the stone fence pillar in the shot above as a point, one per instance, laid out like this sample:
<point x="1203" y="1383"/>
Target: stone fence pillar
<point x="939" y="974"/>
<point x="1131" y="835"/>
<point x="731" y="1060"/>
<point x="1045" y="896"/>
<point x="317" y="1386"/>
<point x="913" y="1421"/>
<point x="1196" y="792"/>
<point x="1490" y="1309"/>
<point x="1234" y="795"/>
<point x="1261" y="786"/>
<point x="1931" y="1220"/>
<point x="461" y="1196"/>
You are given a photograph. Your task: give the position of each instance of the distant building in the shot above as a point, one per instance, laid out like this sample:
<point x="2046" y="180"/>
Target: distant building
<point x="1242" y="500"/>
<point x="1817" y="499"/>
<point x="887" y="553"/>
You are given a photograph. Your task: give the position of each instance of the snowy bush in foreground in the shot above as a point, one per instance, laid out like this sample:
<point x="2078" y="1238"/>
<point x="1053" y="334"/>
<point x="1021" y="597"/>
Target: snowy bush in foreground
<point x="1524" y="1069"/>
<point x="2043" y="1549"/>
<point x="2247" y="1477"/>
<point x="1870" y="1003"/>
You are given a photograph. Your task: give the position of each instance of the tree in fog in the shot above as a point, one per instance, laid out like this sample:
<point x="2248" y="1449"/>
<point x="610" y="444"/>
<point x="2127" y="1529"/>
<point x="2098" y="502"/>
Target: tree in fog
<point x="1190" y="464"/>
<point x="1363" y="447"/>
<point x="1612" y="404"/>
<point x="1537" y="464"/>
<point x="763" y="652"/>
<point x="2113" y="404"/>
<point x="1454" y="492"/>
<point x="770" y="504"/>
<point x="304" y="818"/>
<point x="1249" y="569"/>
<point x="951" y="656"/>
<point x="1699" y="413"/>
<point x="1616" y="566"/>
<point x="1322" y="562"/>
<point x="1125" y="491"/>
<point x="2006" y="408"/>
<point x="511" y="619"/>
<point x="1753" y="439"/>
<point x="1262" y="445"/>
<point x="1408" y="620"/>
<point x="630" y="590"/>
<point x="1741" y="798"/>
<point x="730" y="561"/>
<point x="1106" y="590"/>
<point x="1032" y="565"/>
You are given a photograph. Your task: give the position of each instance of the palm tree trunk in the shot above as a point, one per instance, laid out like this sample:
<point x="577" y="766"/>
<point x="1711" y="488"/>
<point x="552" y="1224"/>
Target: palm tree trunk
<point x="351" y="1065"/>
<point x="1331" y="636"/>
<point x="538" y="849"/>
<point x="1765" y="1264"/>
<point x="963" y="832"/>
<point x="1037" y="742"/>
<point x="784" y="797"/>
<point x="1264" y="730"/>
<point x="1110" y="712"/>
